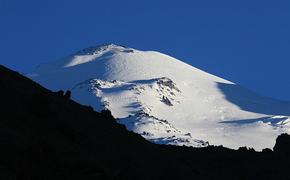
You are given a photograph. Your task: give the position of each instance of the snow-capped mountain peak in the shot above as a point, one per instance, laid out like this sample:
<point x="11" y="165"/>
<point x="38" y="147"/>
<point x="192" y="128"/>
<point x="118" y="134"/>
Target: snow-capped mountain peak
<point x="166" y="100"/>
<point x="102" y="49"/>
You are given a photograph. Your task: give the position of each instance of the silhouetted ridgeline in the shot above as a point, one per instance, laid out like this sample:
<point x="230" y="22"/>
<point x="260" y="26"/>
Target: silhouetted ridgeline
<point x="45" y="135"/>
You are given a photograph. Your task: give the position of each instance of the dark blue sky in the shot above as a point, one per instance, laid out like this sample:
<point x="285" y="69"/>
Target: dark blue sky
<point x="243" y="41"/>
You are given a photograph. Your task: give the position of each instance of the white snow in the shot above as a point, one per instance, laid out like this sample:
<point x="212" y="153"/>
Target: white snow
<point x="166" y="100"/>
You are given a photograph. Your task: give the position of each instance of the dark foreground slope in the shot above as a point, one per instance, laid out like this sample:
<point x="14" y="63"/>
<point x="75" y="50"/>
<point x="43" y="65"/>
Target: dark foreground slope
<point x="44" y="135"/>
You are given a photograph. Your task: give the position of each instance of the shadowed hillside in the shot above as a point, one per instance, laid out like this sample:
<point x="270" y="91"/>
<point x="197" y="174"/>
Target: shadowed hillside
<point x="44" y="135"/>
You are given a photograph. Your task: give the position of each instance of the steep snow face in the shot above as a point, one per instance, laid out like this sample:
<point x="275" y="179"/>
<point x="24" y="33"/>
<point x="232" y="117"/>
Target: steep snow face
<point x="165" y="100"/>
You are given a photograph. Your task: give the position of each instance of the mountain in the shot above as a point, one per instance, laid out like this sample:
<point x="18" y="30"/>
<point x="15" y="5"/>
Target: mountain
<point x="45" y="135"/>
<point x="166" y="100"/>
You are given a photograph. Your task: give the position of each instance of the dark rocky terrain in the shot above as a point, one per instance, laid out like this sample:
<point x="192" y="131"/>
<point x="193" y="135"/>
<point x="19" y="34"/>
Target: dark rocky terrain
<point x="45" y="135"/>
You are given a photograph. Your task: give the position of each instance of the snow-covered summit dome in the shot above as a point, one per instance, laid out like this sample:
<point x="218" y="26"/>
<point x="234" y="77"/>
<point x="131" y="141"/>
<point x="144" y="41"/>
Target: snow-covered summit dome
<point x="93" y="50"/>
<point x="166" y="100"/>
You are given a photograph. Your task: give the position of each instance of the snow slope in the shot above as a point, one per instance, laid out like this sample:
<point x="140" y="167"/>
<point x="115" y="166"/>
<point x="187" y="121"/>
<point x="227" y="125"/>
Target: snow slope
<point x="165" y="100"/>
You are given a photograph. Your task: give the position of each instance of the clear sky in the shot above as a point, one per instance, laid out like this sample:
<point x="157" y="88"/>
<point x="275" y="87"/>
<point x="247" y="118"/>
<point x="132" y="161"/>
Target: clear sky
<point x="244" y="41"/>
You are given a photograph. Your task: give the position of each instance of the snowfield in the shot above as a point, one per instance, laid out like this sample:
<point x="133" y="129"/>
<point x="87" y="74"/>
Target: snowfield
<point x="166" y="100"/>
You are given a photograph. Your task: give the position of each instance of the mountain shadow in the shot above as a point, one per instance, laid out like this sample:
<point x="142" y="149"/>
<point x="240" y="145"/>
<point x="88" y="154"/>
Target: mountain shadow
<point x="278" y="121"/>
<point x="252" y="102"/>
<point x="44" y="135"/>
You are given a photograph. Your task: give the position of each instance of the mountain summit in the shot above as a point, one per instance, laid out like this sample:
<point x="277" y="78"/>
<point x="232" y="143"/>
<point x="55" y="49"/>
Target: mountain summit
<point x="166" y="100"/>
